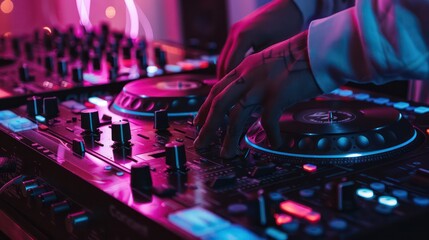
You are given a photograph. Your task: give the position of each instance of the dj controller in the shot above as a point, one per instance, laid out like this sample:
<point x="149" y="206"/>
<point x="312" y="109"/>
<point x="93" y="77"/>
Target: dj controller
<point x="121" y="165"/>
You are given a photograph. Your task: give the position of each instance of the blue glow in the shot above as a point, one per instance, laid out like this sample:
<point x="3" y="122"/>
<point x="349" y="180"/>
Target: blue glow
<point x="330" y="155"/>
<point x="365" y="193"/>
<point x="276" y="234"/>
<point x="361" y="96"/>
<point x="98" y="101"/>
<point x="152" y="69"/>
<point x="90" y="77"/>
<point x="421" y="110"/>
<point x="198" y="221"/>
<point x="18" y="124"/>
<point x="150" y="114"/>
<point x="233" y="232"/>
<point x="388" y="201"/>
<point x="401" y="105"/>
<point x="381" y="100"/>
<point x="6" y="114"/>
<point x="40" y="118"/>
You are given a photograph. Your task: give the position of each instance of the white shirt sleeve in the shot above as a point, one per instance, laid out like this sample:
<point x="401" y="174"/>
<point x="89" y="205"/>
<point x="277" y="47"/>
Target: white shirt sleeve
<point x="313" y="9"/>
<point x="375" y="41"/>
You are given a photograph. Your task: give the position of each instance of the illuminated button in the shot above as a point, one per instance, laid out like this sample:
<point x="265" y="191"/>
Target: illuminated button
<point x="98" y="101"/>
<point x="295" y="208"/>
<point x="378" y="186"/>
<point x="199" y="221"/>
<point x="365" y="193"/>
<point x="237" y="208"/>
<point x="314" y="230"/>
<point x="361" y="96"/>
<point x="291" y="226"/>
<point x="313" y="217"/>
<point x="233" y="232"/>
<point x="40" y="118"/>
<point x="276" y="234"/>
<point x="282" y="218"/>
<point x="119" y="173"/>
<point x="388" y="201"/>
<point x="19" y="124"/>
<point x="421" y="201"/>
<point x="6" y="114"/>
<point x="338" y="224"/>
<point x="307" y="193"/>
<point x="401" y="105"/>
<point x="345" y="93"/>
<point x="275" y="196"/>
<point x="309" y="167"/>
<point x="421" y="110"/>
<point x="108" y="168"/>
<point x="381" y="100"/>
<point x="399" y="193"/>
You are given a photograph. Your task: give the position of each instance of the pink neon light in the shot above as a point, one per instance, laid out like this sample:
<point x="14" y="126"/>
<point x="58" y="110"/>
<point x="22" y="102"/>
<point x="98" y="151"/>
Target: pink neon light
<point x="313" y="217"/>
<point x="83" y="8"/>
<point x="309" y="167"/>
<point x="134" y="18"/>
<point x="282" y="219"/>
<point x="295" y="208"/>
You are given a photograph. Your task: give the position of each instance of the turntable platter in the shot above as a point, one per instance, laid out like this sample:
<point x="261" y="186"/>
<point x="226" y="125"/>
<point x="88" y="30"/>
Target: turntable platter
<point x="180" y="95"/>
<point x="336" y="132"/>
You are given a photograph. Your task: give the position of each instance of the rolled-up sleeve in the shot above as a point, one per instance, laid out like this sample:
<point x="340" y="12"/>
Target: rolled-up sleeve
<point x="376" y="41"/>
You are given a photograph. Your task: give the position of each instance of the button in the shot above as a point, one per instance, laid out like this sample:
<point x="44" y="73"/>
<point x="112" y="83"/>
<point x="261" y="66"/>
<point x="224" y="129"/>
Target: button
<point x="6" y="114"/>
<point x="345" y="93"/>
<point x="361" y="96"/>
<point x="108" y="168"/>
<point x="421" y="110"/>
<point x="399" y="193"/>
<point x="388" y="201"/>
<point x="381" y="100"/>
<point x="314" y="230"/>
<point x="365" y="193"/>
<point x="401" y="105"/>
<point x="307" y="193"/>
<point x="276" y="234"/>
<point x="338" y="224"/>
<point x="421" y="201"/>
<point x="291" y="226"/>
<point x="309" y="167"/>
<point x="313" y="217"/>
<point x="282" y="218"/>
<point x="120" y="173"/>
<point x="19" y="124"/>
<point x="378" y="186"/>
<point x="237" y="208"/>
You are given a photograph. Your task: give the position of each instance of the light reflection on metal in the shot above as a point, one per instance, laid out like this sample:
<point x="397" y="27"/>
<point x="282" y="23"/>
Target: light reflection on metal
<point x="134" y="18"/>
<point x="83" y="7"/>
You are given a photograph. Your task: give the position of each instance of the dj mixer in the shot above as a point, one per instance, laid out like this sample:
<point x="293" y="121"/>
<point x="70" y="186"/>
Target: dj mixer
<point x="79" y="63"/>
<point x="122" y="166"/>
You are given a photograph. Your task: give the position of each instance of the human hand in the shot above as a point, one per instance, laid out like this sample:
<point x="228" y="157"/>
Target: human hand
<point x="272" y="23"/>
<point x="274" y="79"/>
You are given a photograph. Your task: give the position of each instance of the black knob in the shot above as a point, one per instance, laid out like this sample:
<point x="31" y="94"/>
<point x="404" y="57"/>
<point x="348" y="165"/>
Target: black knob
<point x="50" y="107"/>
<point x="29" y="53"/>
<point x="161" y="120"/>
<point x="27" y="185"/>
<point x="141" y="178"/>
<point x="126" y="52"/>
<point x="89" y="120"/>
<point x="175" y="155"/>
<point x="161" y="57"/>
<point x="121" y="132"/>
<point x="46" y="199"/>
<point x="142" y="59"/>
<point x="62" y="67"/>
<point x="59" y="210"/>
<point x="113" y="74"/>
<point x="340" y="195"/>
<point x="16" y="46"/>
<point x="34" y="106"/>
<point x="24" y="73"/>
<point x="78" y="147"/>
<point x="96" y="63"/>
<point x="77" y="74"/>
<point x="49" y="63"/>
<point x="114" y="61"/>
<point x="77" y="222"/>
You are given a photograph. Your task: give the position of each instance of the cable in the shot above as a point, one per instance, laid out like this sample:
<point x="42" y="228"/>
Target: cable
<point x="10" y="182"/>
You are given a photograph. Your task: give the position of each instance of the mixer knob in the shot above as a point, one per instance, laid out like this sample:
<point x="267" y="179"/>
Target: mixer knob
<point x="96" y="63"/>
<point x="77" y="74"/>
<point x="29" y="51"/>
<point x="78" y="147"/>
<point x="50" y="107"/>
<point x="126" y="52"/>
<point x="260" y="209"/>
<point x="340" y="195"/>
<point x="113" y="74"/>
<point x="24" y="73"/>
<point x="34" y="106"/>
<point x="141" y="178"/>
<point x="161" y="58"/>
<point x="142" y="59"/>
<point x="27" y="185"/>
<point x="62" y="67"/>
<point x="175" y="155"/>
<point x="59" y="210"/>
<point x="89" y="120"/>
<point x="161" y="120"/>
<point x="16" y="46"/>
<point x="121" y="132"/>
<point x="46" y="198"/>
<point x="77" y="222"/>
<point x="49" y="64"/>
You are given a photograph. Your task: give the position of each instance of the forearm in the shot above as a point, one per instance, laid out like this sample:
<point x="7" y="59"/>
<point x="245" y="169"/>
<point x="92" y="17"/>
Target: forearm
<point x="376" y="41"/>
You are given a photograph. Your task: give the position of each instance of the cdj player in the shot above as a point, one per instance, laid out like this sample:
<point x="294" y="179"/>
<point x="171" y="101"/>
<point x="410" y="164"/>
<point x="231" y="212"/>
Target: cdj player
<point x="354" y="166"/>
